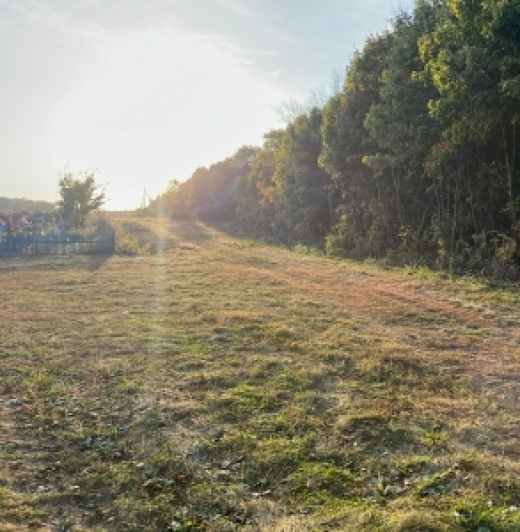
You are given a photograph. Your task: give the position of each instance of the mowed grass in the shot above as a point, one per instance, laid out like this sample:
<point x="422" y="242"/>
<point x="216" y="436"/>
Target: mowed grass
<point x="220" y="384"/>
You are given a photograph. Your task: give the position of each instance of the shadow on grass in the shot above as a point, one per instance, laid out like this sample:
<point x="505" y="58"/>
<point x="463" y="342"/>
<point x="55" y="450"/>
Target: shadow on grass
<point x="233" y="230"/>
<point x="191" y="231"/>
<point x="95" y="262"/>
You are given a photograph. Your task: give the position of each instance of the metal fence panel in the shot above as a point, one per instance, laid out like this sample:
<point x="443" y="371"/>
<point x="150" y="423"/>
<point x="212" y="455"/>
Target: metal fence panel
<point x="28" y="245"/>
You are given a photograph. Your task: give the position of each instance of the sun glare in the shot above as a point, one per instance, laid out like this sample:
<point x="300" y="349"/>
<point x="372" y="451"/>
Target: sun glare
<point x="192" y="92"/>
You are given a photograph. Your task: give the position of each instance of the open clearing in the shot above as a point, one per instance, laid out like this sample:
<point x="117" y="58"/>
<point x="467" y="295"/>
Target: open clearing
<point x="222" y="384"/>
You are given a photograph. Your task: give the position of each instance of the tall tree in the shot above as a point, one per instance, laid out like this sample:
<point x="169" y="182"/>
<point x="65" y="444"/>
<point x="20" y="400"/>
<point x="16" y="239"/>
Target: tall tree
<point x="79" y="196"/>
<point x="402" y="127"/>
<point x="254" y="196"/>
<point x="345" y="144"/>
<point x="473" y="58"/>
<point x="302" y="188"/>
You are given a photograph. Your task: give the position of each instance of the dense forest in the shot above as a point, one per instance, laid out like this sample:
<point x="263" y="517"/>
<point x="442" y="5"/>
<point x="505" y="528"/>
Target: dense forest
<point x="413" y="159"/>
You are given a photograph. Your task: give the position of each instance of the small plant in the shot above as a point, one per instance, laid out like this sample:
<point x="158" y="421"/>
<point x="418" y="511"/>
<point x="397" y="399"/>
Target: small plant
<point x="127" y="246"/>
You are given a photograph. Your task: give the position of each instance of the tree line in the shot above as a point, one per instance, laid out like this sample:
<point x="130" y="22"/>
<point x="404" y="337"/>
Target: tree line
<point x="414" y="158"/>
<point x="24" y="204"/>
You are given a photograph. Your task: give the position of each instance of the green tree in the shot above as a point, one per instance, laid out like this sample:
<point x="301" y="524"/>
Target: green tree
<point x="473" y="59"/>
<point x="346" y="142"/>
<point x="254" y="195"/>
<point x="80" y="196"/>
<point x="301" y="186"/>
<point x="403" y="128"/>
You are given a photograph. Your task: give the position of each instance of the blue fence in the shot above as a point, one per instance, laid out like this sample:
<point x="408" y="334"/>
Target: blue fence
<point x="15" y="245"/>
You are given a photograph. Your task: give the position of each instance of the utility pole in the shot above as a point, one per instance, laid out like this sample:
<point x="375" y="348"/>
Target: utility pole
<point x="145" y="200"/>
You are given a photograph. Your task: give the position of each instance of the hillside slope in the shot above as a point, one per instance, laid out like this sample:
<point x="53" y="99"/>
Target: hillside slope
<point x="226" y="385"/>
<point x="23" y="204"/>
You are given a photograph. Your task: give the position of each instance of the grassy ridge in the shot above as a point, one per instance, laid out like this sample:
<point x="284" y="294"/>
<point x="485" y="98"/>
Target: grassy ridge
<point x="219" y="384"/>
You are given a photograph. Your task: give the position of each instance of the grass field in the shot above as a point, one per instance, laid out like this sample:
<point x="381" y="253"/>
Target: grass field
<point x="215" y="383"/>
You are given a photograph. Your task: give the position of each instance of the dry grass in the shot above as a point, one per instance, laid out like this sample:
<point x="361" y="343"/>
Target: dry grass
<point x="200" y="382"/>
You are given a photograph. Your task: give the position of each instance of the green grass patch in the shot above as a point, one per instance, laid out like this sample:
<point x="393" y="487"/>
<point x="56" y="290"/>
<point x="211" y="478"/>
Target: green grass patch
<point x="207" y="383"/>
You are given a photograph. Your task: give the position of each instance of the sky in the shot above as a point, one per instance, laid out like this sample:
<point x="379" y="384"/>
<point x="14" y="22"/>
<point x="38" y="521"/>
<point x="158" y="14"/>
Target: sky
<point x="143" y="92"/>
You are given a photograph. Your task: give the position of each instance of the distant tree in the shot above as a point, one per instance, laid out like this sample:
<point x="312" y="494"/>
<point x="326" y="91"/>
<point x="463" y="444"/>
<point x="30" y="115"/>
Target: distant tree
<point x="80" y="196"/>
<point x="209" y="192"/>
<point x="24" y="204"/>
<point x="254" y="196"/>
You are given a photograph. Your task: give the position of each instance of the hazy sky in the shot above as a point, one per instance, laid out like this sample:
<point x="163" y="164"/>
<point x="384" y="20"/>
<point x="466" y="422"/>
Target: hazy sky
<point x="145" y="91"/>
